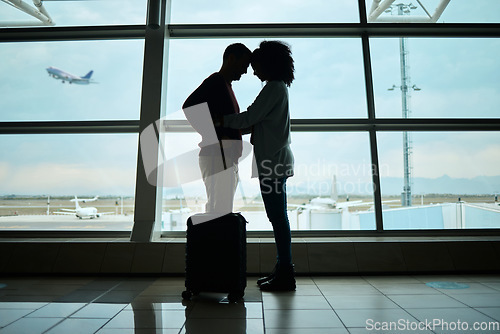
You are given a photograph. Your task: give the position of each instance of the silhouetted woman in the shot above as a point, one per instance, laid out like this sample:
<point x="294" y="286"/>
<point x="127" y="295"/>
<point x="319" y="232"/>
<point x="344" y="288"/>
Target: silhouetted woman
<point x="269" y="118"/>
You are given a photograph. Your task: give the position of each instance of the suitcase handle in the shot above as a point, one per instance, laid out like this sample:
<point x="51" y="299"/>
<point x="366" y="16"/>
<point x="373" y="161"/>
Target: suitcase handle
<point x="223" y="156"/>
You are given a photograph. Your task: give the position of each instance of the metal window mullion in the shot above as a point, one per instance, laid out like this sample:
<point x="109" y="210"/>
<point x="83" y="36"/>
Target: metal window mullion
<point x="298" y="125"/>
<point x="468" y="30"/>
<point x="45" y="34"/>
<point x="157" y="228"/>
<point x="392" y="124"/>
<point x="362" y="12"/>
<point x="145" y="193"/>
<point x="370" y="101"/>
<point x="69" y="127"/>
<point x="303" y="30"/>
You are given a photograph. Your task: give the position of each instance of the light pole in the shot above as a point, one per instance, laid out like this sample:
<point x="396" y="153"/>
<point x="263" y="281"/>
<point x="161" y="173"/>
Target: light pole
<point x="406" y="88"/>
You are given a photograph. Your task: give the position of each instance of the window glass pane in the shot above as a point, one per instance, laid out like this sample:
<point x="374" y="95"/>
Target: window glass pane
<point x="326" y="161"/>
<point x="436" y="11"/>
<point x="34" y="167"/>
<point x="261" y="11"/>
<point x="342" y="159"/>
<point x="455" y="78"/>
<point x="38" y="86"/>
<point x="329" y="80"/>
<point x="74" y="13"/>
<point x="453" y="177"/>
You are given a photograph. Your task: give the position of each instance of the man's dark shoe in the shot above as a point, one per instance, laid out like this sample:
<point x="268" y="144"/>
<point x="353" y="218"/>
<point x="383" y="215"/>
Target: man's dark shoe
<point x="268" y="278"/>
<point x="284" y="280"/>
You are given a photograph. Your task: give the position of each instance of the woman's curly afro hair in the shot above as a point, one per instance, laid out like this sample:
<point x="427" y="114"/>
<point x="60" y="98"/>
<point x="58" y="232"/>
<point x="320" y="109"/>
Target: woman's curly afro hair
<point x="275" y="58"/>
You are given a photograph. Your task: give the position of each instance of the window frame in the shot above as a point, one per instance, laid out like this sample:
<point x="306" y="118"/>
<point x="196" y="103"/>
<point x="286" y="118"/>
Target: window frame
<point x="157" y="33"/>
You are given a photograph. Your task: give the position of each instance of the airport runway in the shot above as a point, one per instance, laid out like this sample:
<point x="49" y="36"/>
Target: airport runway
<point x="61" y="223"/>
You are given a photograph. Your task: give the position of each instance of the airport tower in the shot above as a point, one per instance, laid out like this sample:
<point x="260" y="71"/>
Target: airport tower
<point x="406" y="88"/>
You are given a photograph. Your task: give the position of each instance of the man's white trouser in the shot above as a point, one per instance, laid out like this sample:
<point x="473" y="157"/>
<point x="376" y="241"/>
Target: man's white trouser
<point x="220" y="183"/>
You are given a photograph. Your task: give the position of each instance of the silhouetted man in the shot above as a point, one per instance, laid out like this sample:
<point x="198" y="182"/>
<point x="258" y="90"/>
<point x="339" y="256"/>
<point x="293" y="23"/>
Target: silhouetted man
<point x="219" y="161"/>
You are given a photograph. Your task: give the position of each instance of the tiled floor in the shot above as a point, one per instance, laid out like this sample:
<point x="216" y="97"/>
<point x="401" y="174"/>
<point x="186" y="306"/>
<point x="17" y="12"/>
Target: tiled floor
<point x="358" y="304"/>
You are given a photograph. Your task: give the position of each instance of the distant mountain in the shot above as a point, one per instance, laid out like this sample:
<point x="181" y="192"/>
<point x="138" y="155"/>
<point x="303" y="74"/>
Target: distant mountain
<point x="394" y="186"/>
<point x="390" y="186"/>
<point x="445" y="185"/>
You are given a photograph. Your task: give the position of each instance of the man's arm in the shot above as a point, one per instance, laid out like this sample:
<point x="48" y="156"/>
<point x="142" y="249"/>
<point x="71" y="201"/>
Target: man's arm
<point x="191" y="106"/>
<point x="196" y="97"/>
<point x="246" y="131"/>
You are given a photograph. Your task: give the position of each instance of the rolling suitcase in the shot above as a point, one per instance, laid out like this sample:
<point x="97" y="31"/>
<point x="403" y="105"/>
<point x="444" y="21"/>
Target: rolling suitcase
<point x="216" y="255"/>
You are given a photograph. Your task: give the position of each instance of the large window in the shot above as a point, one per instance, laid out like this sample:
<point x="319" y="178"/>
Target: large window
<point x="329" y="75"/>
<point x="413" y="78"/>
<point x="72" y="13"/>
<point x="67" y="182"/>
<point x="45" y="80"/>
<point x="262" y="11"/>
<point x="70" y="105"/>
<point x="327" y="192"/>
<point x="433" y="11"/>
<point x="452" y="78"/>
<point x="452" y="179"/>
<point x="394" y="126"/>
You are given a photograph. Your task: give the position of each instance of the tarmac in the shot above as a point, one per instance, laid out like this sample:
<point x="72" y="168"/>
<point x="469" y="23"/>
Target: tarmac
<point x="66" y="222"/>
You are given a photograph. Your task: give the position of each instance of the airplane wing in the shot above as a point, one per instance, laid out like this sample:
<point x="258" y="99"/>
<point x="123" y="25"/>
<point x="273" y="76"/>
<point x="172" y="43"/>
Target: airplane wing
<point x="350" y="203"/>
<point x="298" y="206"/>
<point x="64" y="213"/>
<point x="81" y="81"/>
<point x="69" y="210"/>
<point x="85" y="200"/>
<point x="360" y="203"/>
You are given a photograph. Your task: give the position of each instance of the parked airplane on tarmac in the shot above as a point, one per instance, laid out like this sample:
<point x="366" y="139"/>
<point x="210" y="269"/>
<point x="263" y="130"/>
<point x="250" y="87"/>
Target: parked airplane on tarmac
<point x="85" y="200"/>
<point x="87" y="212"/>
<point x="332" y="203"/>
<point x="64" y="76"/>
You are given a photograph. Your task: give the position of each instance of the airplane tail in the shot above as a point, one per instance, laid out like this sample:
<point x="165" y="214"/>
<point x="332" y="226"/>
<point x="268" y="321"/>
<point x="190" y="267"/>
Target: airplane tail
<point x="88" y="75"/>
<point x="334" y="194"/>
<point x="77" y="206"/>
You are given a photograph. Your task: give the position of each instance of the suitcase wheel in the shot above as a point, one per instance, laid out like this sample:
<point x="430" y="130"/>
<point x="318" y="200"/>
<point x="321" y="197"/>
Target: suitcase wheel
<point x="186" y="295"/>
<point x="235" y="296"/>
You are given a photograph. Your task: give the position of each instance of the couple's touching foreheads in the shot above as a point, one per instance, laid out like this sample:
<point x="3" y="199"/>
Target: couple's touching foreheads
<point x="267" y="121"/>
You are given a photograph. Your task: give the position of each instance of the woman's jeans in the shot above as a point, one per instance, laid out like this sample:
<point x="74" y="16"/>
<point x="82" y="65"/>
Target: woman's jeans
<point x="274" y="195"/>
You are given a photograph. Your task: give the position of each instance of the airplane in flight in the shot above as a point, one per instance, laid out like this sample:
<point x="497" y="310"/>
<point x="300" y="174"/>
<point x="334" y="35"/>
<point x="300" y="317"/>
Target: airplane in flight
<point x="86" y="212"/>
<point x="64" y="76"/>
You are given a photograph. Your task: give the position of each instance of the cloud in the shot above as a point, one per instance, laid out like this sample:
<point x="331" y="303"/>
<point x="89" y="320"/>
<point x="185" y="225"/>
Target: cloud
<point x="84" y="13"/>
<point x="4" y="171"/>
<point x="456" y="154"/>
<point x="458" y="78"/>
<point x="64" y="164"/>
<point x="30" y="94"/>
<point x="66" y="179"/>
<point x="329" y="75"/>
<point x="236" y="11"/>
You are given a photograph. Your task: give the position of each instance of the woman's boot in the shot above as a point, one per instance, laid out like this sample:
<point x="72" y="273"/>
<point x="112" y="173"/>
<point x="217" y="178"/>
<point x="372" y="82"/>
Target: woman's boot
<point x="284" y="280"/>
<point x="267" y="278"/>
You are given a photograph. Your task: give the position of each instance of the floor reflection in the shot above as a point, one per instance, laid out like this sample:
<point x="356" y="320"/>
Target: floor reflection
<point x="112" y="305"/>
<point x="212" y="314"/>
<point x="206" y="313"/>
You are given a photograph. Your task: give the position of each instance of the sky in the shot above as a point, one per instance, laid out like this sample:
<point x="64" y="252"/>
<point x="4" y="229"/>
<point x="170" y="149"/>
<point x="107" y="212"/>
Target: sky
<point x="457" y="77"/>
